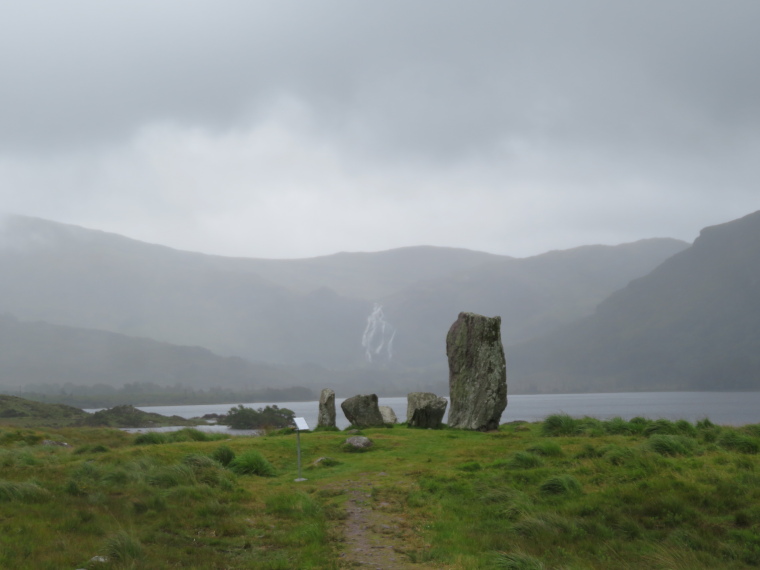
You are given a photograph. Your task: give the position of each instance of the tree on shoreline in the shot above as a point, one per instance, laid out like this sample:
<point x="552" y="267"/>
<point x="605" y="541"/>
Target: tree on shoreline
<point x="241" y="417"/>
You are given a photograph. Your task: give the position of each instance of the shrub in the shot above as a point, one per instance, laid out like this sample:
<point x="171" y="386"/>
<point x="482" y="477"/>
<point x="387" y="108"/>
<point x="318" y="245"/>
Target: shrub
<point x="241" y="417"/>
<point x="252" y="463"/>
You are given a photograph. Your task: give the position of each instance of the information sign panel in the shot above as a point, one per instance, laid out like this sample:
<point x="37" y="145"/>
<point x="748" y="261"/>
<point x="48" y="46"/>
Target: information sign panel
<point x="301" y="424"/>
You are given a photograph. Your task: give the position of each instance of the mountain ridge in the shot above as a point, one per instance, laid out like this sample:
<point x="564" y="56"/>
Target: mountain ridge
<point x="692" y="323"/>
<point x="308" y="318"/>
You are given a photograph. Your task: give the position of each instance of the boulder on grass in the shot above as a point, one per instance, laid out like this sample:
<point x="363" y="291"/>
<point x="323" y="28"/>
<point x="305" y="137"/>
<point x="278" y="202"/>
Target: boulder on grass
<point x="477" y="372"/>
<point x="357" y="443"/>
<point x="425" y="410"/>
<point x="389" y="416"/>
<point x="326" y="417"/>
<point x="362" y="411"/>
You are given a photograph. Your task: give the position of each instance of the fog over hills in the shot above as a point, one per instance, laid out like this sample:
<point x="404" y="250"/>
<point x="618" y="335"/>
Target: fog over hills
<point x="321" y="320"/>
<point x="40" y="353"/>
<point x="691" y="324"/>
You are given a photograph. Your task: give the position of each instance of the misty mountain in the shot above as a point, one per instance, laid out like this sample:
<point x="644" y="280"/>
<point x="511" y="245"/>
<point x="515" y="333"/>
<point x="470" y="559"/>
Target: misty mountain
<point x="41" y="354"/>
<point x="316" y="319"/>
<point x="71" y="276"/>
<point x="691" y="324"/>
<point x="533" y="295"/>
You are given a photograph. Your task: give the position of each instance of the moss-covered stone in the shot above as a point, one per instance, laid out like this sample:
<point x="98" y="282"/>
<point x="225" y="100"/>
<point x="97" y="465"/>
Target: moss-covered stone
<point x="477" y="372"/>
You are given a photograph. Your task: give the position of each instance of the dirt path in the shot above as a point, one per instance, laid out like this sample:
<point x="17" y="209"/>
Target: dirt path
<point x="376" y="533"/>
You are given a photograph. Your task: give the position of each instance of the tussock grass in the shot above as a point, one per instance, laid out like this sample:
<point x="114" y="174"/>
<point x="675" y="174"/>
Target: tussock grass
<point x="547" y="449"/>
<point x="151" y="438"/>
<point x="671" y="445"/>
<point x="252" y="463"/>
<point x="559" y="425"/>
<point x="186" y="434"/>
<point x="23" y="492"/>
<point x="561" y="485"/>
<point x="736" y="441"/>
<point x="122" y="547"/>
<point x="565" y="493"/>
<point x="223" y="454"/>
<point x="517" y="561"/>
<point x="524" y="460"/>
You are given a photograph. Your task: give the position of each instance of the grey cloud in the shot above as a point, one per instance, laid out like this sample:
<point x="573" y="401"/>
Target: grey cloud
<point x="429" y="77"/>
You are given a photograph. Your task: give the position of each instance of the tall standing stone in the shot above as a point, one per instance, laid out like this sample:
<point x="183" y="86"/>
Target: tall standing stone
<point x="362" y="411"/>
<point x="425" y="410"/>
<point x="477" y="372"/>
<point x="326" y="417"/>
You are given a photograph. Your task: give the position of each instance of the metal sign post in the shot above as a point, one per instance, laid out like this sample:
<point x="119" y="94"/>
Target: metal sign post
<point x="301" y="425"/>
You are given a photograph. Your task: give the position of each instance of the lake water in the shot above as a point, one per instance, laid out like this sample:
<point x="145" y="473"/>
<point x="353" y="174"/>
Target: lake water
<point x="727" y="408"/>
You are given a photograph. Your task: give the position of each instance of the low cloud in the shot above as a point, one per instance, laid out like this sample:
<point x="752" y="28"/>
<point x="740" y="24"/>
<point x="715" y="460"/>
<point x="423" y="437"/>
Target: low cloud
<point x="291" y="129"/>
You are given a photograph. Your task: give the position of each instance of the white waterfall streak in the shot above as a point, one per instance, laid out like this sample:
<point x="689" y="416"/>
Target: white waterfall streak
<point x="377" y="339"/>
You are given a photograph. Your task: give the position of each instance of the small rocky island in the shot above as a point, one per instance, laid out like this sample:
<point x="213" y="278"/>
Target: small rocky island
<point x="20" y="412"/>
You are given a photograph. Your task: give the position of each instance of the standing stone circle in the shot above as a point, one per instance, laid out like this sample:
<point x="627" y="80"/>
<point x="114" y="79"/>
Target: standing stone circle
<point x="326" y="417"/>
<point x="477" y="372"/>
<point x="425" y="410"/>
<point x="362" y="411"/>
<point x="389" y="416"/>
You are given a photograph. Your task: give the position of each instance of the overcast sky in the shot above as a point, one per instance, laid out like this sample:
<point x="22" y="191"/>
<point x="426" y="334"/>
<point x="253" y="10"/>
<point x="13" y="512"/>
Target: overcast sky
<point x="299" y="128"/>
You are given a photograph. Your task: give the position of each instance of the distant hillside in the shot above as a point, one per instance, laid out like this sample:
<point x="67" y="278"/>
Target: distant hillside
<point x="22" y="412"/>
<point x="282" y="311"/>
<point x="691" y="324"/>
<point x="301" y="312"/>
<point x="43" y="354"/>
<point x="532" y="295"/>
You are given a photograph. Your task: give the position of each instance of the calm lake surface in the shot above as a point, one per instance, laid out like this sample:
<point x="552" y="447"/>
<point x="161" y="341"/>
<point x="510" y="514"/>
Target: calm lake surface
<point x="727" y="408"/>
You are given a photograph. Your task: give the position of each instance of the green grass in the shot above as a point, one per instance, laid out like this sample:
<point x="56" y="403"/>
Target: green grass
<point x="567" y="493"/>
<point x="252" y="463"/>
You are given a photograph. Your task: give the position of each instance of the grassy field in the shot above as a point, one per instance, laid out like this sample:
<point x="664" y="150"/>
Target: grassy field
<point x="563" y="493"/>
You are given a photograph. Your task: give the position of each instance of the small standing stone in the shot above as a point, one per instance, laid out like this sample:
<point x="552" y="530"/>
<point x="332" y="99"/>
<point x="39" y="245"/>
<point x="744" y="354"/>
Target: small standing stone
<point x="477" y="372"/>
<point x="389" y="416"/>
<point x="362" y="411"/>
<point x="326" y="416"/>
<point x="425" y="410"/>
